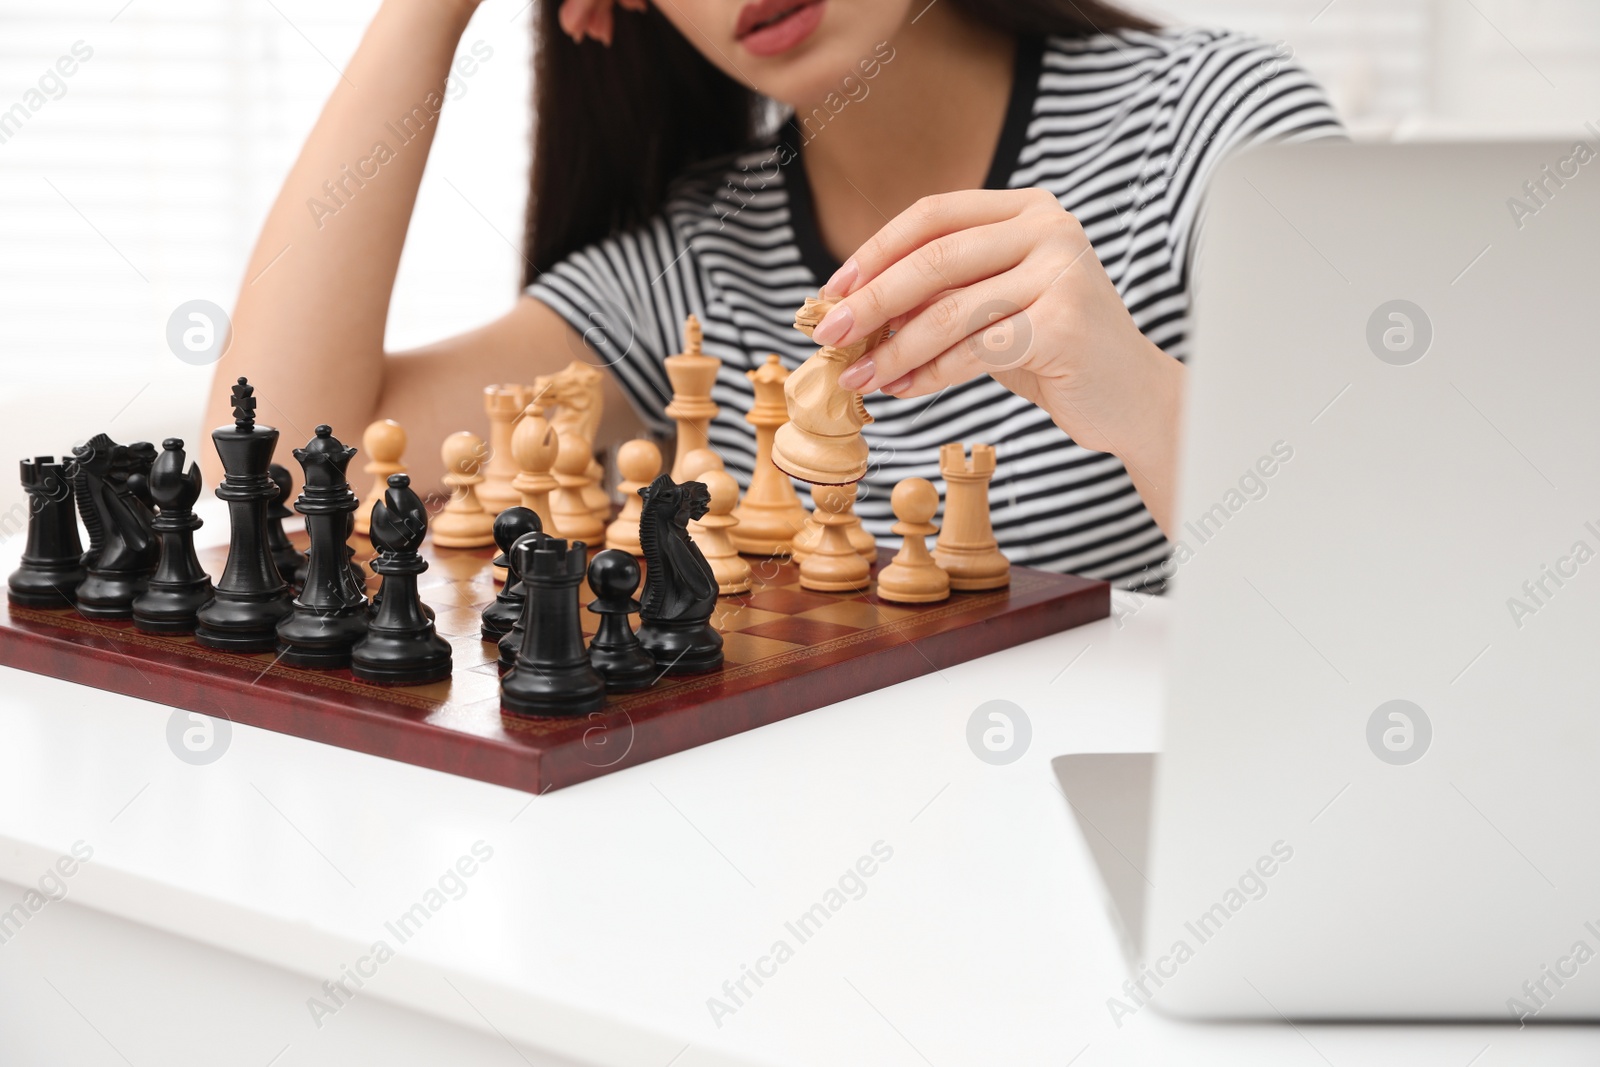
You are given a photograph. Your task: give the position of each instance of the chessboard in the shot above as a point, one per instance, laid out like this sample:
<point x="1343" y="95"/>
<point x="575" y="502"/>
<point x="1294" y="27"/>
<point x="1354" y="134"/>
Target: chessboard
<point x="787" y="651"/>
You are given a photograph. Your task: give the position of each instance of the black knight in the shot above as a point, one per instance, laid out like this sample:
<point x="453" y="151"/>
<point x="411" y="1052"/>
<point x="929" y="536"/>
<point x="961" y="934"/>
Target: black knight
<point x="680" y="592"/>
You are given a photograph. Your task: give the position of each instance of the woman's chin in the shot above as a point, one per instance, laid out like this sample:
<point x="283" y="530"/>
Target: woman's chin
<point x="801" y="58"/>
<point x="806" y="78"/>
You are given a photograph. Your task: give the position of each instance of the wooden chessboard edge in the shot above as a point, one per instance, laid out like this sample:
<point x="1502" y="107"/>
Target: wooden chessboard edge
<point x="650" y="738"/>
<point x="296" y="712"/>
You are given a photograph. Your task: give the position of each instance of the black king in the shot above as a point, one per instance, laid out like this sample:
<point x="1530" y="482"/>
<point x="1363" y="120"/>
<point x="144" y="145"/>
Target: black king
<point x="252" y="596"/>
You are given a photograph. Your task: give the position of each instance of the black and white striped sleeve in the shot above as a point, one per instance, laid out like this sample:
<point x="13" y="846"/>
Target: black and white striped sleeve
<point x="1234" y="92"/>
<point x="608" y="293"/>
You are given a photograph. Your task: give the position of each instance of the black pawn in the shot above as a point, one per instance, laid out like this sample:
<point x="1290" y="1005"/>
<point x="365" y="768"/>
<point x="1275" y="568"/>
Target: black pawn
<point x="552" y="675"/>
<point x="288" y="558"/>
<point x="615" y="650"/>
<point x="330" y="614"/>
<point x="509" y="526"/>
<point x="252" y="596"/>
<point x="680" y="592"/>
<point x="52" y="564"/>
<point x="180" y="586"/>
<point x="401" y="647"/>
<point x="110" y="486"/>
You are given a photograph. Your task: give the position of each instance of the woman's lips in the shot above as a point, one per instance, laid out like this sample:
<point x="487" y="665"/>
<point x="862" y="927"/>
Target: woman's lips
<point x="795" y="21"/>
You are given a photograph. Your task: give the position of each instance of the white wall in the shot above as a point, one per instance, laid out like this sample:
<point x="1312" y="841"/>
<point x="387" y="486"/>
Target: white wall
<point x="1408" y="68"/>
<point x="142" y="186"/>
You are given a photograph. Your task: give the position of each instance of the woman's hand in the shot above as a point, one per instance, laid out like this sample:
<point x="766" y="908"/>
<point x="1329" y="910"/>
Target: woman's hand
<point x="1005" y="283"/>
<point x="592" y="18"/>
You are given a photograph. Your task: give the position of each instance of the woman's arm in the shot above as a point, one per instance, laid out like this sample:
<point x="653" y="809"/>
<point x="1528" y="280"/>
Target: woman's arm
<point x="309" y="322"/>
<point x="1005" y="283"/>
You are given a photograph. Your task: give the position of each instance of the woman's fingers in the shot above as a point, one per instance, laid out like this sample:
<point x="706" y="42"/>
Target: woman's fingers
<point x="592" y="18"/>
<point x="981" y="352"/>
<point x="985" y="319"/>
<point x="928" y="218"/>
<point x="948" y="262"/>
<point x="600" y="23"/>
<point x="898" y="323"/>
<point x="573" y="16"/>
<point x="948" y="368"/>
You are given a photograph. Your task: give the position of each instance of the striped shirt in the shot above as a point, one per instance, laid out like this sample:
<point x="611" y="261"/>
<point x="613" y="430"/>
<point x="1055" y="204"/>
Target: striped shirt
<point x="1122" y="128"/>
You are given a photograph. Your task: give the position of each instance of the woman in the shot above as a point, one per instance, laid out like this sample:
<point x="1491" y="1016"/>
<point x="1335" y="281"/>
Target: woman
<point x="1012" y="185"/>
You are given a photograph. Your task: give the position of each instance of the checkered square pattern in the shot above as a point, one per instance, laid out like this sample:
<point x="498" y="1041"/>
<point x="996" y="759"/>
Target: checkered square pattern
<point x="776" y="619"/>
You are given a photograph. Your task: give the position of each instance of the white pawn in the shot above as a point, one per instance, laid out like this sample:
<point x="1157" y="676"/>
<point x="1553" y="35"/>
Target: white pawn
<point x="384" y="442"/>
<point x="534" y="446"/>
<point x="463" y="523"/>
<point x="694" y="465"/>
<point x="697" y="461"/>
<point x="832" y="565"/>
<point x="638" y="462"/>
<point x="730" y="570"/>
<point x="574" y="519"/>
<point x="913" y="577"/>
<point x="863" y="542"/>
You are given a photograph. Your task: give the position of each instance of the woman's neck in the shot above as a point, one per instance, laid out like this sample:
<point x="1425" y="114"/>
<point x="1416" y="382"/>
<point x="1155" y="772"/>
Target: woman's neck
<point x="928" y="122"/>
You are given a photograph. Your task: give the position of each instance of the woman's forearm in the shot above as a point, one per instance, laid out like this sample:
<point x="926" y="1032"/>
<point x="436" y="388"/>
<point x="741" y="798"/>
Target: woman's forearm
<point x="1148" y="444"/>
<point x="309" y="322"/>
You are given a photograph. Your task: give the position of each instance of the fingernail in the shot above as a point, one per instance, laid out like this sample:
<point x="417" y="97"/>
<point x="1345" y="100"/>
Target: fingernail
<point x="895" y="386"/>
<point x="858" y="374"/>
<point x="844" y="279"/>
<point x="835" y="325"/>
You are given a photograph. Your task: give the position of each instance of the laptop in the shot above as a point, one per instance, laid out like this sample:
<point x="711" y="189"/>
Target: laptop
<point x="1378" y="794"/>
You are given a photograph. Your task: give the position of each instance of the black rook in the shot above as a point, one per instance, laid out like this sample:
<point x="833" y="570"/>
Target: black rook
<point x="52" y="567"/>
<point x="552" y="674"/>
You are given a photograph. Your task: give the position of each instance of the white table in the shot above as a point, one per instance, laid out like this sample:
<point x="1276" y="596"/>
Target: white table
<point x="220" y="897"/>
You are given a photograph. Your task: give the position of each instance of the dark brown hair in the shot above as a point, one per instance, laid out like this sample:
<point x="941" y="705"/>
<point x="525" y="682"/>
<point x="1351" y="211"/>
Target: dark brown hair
<point x="613" y="126"/>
